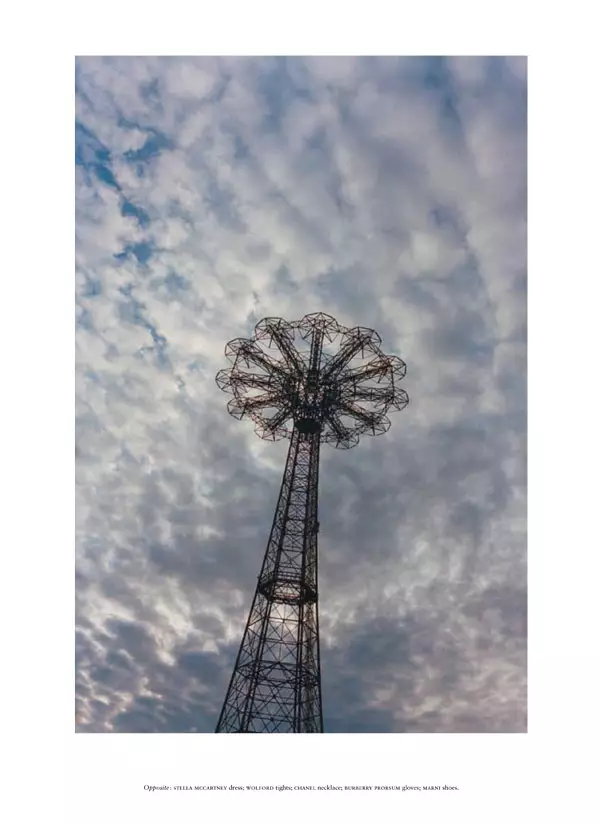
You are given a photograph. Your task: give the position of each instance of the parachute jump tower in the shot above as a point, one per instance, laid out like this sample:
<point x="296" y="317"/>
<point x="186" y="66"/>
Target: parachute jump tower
<point x="311" y="381"/>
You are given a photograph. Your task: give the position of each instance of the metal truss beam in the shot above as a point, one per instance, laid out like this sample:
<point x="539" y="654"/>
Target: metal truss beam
<point x="276" y="681"/>
<point x="301" y="392"/>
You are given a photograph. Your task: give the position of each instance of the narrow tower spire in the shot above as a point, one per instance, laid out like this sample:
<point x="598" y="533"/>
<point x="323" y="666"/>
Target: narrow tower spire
<point x="309" y="394"/>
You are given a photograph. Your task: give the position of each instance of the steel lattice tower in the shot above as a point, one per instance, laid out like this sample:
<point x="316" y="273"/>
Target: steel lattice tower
<point x="311" y="381"/>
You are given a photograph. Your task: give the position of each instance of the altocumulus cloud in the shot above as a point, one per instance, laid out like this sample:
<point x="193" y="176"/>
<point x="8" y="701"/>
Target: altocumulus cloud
<point x="389" y="193"/>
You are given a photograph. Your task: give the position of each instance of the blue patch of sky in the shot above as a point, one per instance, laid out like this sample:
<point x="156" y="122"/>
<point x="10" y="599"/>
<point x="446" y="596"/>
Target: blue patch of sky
<point x="129" y="209"/>
<point x="154" y="144"/>
<point x="142" y="252"/>
<point x="88" y="148"/>
<point x="139" y="169"/>
<point x="158" y="349"/>
<point x="132" y="312"/>
<point x="104" y="173"/>
<point x="93" y="155"/>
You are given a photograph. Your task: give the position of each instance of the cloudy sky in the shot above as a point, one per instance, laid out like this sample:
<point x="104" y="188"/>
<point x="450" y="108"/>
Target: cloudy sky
<point x="389" y="193"/>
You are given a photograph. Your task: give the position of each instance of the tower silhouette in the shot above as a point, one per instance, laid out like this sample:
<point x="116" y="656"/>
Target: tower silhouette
<point x="311" y="381"/>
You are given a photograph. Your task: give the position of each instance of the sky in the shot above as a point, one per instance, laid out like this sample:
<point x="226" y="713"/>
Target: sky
<point x="391" y="194"/>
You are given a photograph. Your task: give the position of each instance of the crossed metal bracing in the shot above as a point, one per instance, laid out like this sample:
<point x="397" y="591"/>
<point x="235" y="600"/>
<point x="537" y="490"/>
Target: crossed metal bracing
<point x="288" y="375"/>
<point x="292" y="384"/>
<point x="276" y="684"/>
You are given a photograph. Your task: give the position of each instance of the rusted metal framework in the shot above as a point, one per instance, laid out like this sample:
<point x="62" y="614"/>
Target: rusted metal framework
<point x="311" y="381"/>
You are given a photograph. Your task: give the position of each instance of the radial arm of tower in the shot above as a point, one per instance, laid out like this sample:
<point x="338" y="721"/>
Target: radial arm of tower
<point x="292" y="384"/>
<point x="276" y="681"/>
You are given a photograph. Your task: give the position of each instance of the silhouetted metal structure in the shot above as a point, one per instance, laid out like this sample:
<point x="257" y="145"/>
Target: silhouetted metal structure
<point x="310" y="380"/>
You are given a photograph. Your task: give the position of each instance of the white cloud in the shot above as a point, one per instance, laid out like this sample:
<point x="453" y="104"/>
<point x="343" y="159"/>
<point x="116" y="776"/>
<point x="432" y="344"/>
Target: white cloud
<point x="389" y="194"/>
